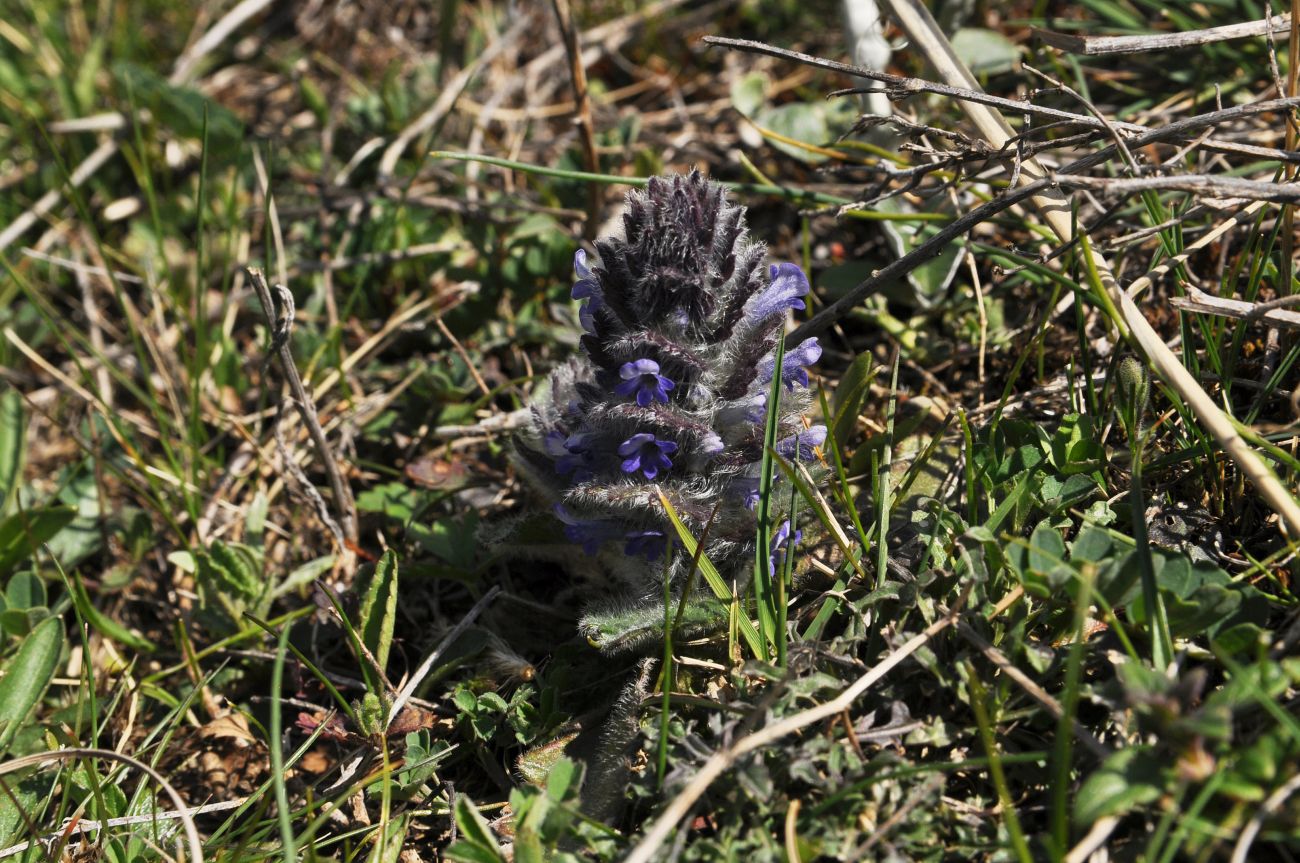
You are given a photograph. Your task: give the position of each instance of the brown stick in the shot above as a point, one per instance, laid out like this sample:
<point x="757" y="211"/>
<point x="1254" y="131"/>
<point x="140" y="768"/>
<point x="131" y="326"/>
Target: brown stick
<point x="1096" y="45"/>
<point x="281" y="325"/>
<point x="582" y="99"/>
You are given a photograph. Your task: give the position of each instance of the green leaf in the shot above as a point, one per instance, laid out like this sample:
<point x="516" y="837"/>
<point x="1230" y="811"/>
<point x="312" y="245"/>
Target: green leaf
<point x="1074" y="447"/>
<point x="535" y="764"/>
<point x="423" y="756"/>
<point x="1202" y="599"/>
<point x="799" y="121"/>
<point x="255" y="519"/>
<point x="928" y="282"/>
<point x="1093" y="545"/>
<point x="24" y="532"/>
<point x="12" y="436"/>
<point x="493" y="702"/>
<point x="20" y="621"/>
<point x="229" y="580"/>
<point x="1046" y="559"/>
<point x="616" y="629"/>
<point x="85" y="535"/>
<point x="1238" y="637"/>
<point x="476" y="843"/>
<point x="27" y="675"/>
<point x="1117" y="582"/>
<point x="25" y="590"/>
<point x="303" y="575"/>
<point x="1057" y="495"/>
<point x="1129" y="778"/>
<point x="985" y="52"/>
<point x="31" y="796"/>
<point x="561" y="778"/>
<point x="379" y="610"/>
<point x="233" y="569"/>
<point x="452" y="540"/>
<point x="182" y="110"/>
<point x="394" y="499"/>
<point x="465" y="701"/>
<point x="1009" y="504"/>
<point x="749" y="93"/>
<point x="815" y="123"/>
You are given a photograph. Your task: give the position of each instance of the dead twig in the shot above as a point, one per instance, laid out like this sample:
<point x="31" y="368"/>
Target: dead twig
<point x="900" y="267"/>
<point x="1206" y="185"/>
<point x="470" y="365"/>
<point x="1056" y="210"/>
<point x="1226" y="307"/>
<point x="1256" y="823"/>
<point x="1042" y="696"/>
<point x="582" y="101"/>
<point x="345" y="529"/>
<point x="1096" y="838"/>
<point x="496" y="424"/>
<point x="86" y="825"/>
<point x="1093" y="46"/>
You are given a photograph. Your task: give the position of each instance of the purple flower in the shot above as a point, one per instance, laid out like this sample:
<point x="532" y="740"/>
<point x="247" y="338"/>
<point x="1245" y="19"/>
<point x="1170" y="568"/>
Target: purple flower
<point x="574" y="455"/>
<point x="779" y="548"/>
<point x="793" y="365"/>
<point x="747" y="486"/>
<point x="789" y="284"/>
<point x="800" y="445"/>
<point x="587" y="532"/>
<point x="587" y="315"/>
<point x="649" y="544"/>
<point x="587" y="287"/>
<point x="642" y="377"/>
<point x="586" y="284"/>
<point x="644" y="452"/>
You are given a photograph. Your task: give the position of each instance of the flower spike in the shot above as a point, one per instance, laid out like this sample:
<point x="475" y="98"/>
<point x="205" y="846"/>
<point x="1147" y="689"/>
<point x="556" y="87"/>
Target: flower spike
<point x="668" y="397"/>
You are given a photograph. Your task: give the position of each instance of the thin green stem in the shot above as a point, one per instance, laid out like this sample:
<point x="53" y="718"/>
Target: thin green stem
<point x="1060" y="812"/>
<point x="667" y="677"/>
<point x="977" y="699"/>
<point x="276" y="744"/>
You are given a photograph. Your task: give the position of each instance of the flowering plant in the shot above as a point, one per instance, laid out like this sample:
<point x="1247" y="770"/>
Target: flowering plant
<point x="669" y="393"/>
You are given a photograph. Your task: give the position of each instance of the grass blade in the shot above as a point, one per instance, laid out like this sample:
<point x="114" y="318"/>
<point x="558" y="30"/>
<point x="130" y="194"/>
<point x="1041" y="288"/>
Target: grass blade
<point x="714" y="579"/>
